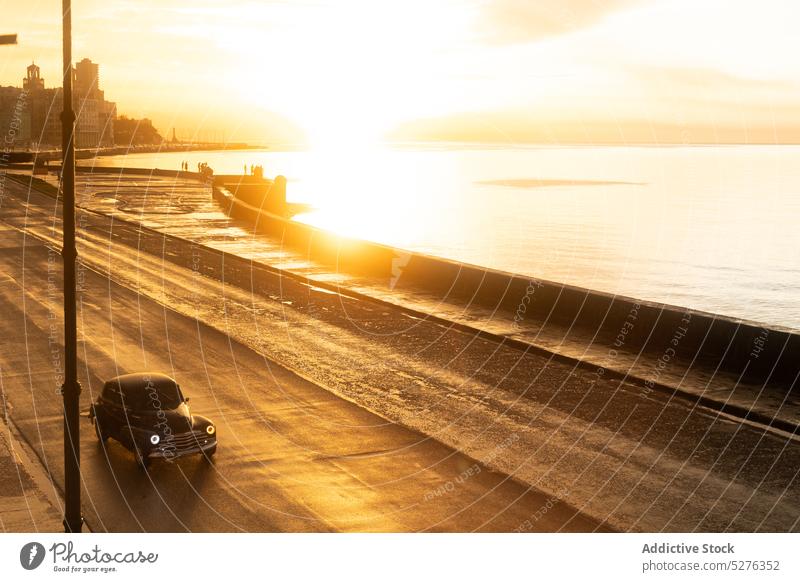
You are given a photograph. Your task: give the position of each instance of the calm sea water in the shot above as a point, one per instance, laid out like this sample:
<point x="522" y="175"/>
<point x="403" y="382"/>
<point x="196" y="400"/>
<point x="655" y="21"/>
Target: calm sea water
<point x="712" y="228"/>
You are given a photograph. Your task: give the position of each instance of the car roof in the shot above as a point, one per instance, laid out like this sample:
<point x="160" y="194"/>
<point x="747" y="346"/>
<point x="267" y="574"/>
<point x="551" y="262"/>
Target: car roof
<point x="131" y="383"/>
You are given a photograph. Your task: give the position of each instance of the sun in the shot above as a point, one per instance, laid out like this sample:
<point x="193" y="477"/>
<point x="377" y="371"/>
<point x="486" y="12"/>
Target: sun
<point x="353" y="70"/>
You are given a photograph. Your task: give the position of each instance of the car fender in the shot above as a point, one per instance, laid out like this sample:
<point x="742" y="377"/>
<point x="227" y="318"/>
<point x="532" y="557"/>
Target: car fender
<point x="200" y="422"/>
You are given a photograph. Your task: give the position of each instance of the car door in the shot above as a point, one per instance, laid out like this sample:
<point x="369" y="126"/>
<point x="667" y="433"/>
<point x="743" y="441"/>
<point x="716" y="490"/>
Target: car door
<point x="117" y="416"/>
<point x="129" y="420"/>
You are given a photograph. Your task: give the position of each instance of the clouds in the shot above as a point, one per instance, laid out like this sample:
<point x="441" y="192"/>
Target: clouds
<point x="519" y="21"/>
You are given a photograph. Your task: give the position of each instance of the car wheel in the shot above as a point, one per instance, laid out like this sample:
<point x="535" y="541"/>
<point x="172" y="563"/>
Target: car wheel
<point x="102" y="436"/>
<point x="142" y="460"/>
<point x="209" y="453"/>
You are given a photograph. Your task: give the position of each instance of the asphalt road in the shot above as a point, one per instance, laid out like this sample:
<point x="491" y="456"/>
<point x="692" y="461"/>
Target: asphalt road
<point x="625" y="457"/>
<point x="292" y="456"/>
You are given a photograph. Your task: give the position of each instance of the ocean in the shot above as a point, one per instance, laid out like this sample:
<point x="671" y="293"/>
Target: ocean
<point x="713" y="228"/>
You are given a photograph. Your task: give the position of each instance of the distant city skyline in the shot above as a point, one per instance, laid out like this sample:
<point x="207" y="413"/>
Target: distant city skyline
<point x="504" y="70"/>
<point x="33" y="109"/>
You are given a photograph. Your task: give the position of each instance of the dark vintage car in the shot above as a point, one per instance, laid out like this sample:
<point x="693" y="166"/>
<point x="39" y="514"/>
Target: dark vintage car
<point x="149" y="415"/>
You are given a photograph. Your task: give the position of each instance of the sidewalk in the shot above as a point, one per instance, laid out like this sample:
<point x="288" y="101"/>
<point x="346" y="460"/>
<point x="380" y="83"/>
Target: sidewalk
<point x="27" y="501"/>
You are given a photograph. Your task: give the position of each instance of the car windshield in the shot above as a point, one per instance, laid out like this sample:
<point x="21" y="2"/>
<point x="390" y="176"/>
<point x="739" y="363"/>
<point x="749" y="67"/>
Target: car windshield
<point x="166" y="395"/>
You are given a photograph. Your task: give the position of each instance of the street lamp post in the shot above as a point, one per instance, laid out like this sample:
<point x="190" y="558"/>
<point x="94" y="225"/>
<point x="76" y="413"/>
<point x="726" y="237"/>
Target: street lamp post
<point x="73" y="519"/>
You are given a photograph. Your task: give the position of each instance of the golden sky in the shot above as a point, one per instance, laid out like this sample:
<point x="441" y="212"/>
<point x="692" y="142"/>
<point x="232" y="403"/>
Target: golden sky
<point x="358" y="70"/>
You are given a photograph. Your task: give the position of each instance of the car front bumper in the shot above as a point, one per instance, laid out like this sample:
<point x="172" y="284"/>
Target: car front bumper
<point x="171" y="451"/>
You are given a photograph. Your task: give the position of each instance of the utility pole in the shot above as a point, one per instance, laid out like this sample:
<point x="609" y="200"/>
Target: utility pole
<point x="71" y="390"/>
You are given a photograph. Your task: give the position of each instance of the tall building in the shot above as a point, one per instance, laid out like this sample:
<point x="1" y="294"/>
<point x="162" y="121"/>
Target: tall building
<point x="86" y="96"/>
<point x="95" y="115"/>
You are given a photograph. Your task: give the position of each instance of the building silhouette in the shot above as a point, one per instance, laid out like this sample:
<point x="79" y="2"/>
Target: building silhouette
<point x="34" y="111"/>
<point x="44" y="108"/>
<point x="95" y="115"/>
<point x="33" y="81"/>
<point x="14" y="120"/>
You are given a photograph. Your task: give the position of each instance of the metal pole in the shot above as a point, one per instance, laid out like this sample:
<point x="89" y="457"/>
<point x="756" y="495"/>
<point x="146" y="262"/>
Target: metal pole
<point x="73" y="519"/>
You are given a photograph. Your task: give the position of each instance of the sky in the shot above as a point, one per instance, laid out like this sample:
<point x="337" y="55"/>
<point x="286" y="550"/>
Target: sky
<point x="339" y="71"/>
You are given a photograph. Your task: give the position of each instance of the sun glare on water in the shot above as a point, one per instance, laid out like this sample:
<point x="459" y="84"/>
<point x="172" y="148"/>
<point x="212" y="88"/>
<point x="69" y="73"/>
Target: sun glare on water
<point x="346" y="84"/>
<point x="360" y="191"/>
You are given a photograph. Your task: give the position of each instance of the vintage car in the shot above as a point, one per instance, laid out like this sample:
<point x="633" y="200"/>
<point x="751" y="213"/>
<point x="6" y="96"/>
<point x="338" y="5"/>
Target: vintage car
<point x="148" y="414"/>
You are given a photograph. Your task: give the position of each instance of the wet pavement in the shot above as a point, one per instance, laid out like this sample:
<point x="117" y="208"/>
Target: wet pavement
<point x="292" y="456"/>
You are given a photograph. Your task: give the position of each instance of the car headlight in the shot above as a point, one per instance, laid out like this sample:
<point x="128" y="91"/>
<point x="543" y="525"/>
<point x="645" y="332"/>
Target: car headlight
<point x="210" y="429"/>
<point x="155" y="439"/>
